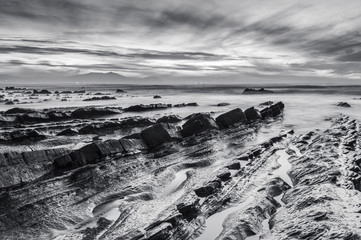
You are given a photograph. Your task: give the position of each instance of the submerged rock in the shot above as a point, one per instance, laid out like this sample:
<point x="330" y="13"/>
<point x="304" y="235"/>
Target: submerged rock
<point x="142" y="108"/>
<point x="43" y="91"/>
<point x="93" y="112"/>
<point x="343" y="104"/>
<point x="100" y="98"/>
<point x="256" y="91"/>
<point x="223" y="104"/>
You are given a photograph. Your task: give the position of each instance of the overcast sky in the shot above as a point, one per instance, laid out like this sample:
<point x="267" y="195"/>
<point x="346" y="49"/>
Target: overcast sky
<point x="141" y="38"/>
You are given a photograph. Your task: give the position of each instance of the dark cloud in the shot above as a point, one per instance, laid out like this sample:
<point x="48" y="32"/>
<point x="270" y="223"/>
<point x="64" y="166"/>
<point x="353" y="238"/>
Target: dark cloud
<point x="50" y="11"/>
<point x="194" y="19"/>
<point x="144" y="54"/>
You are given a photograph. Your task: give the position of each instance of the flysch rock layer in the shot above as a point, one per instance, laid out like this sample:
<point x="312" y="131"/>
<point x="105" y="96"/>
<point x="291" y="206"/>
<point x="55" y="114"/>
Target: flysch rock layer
<point x="118" y="188"/>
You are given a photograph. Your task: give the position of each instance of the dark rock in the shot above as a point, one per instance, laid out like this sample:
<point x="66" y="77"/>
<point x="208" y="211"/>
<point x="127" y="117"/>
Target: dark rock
<point x="64" y="161"/>
<point x="169" y="119"/>
<point x="156" y="135"/>
<point x="189" y="211"/>
<point x="93" y="112"/>
<point x="20" y="110"/>
<point x="281" y="105"/>
<point x="157" y="96"/>
<point x="224" y="176"/>
<point x="266" y="112"/>
<point x="193" y="104"/>
<point x="223" y="104"/>
<point x="230" y="118"/>
<point x="9" y="103"/>
<point x="43" y="91"/>
<point x="142" y="108"/>
<point x="234" y="165"/>
<point x="343" y="104"/>
<point x="256" y="91"/>
<point x="68" y="132"/>
<point x="198" y="123"/>
<point x="209" y="189"/>
<point x="252" y="114"/>
<point x="100" y="98"/>
<point x="120" y="91"/>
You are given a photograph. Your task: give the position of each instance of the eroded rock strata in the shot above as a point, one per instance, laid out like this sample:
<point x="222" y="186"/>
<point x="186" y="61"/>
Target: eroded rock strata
<point x="193" y="178"/>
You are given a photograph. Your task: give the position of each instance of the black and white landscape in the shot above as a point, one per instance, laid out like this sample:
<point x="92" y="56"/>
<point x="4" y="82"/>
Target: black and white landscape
<point x="152" y="120"/>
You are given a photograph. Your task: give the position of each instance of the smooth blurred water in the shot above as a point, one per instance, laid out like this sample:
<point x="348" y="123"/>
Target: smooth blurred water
<point x="306" y="107"/>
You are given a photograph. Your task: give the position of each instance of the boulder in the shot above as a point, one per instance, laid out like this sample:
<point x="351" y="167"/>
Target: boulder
<point x="266" y="112"/>
<point x="277" y="108"/>
<point x="234" y="165"/>
<point x="209" y="189"/>
<point x="120" y="91"/>
<point x="281" y="105"/>
<point x="156" y="135"/>
<point x="198" y="123"/>
<point x="157" y="96"/>
<point x="189" y="211"/>
<point x="225" y="176"/>
<point x="252" y="114"/>
<point x="230" y="118"/>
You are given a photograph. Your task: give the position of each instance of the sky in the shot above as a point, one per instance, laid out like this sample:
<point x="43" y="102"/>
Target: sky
<point x="230" y="39"/>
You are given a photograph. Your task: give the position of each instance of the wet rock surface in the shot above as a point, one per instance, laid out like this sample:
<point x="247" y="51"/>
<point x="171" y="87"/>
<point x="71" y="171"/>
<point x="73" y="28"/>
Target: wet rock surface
<point x="194" y="178"/>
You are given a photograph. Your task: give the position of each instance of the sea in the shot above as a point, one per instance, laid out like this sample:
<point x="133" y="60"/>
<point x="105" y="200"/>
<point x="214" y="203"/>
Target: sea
<point x="307" y="107"/>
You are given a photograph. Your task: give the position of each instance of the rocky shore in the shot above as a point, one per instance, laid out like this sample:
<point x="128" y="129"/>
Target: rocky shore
<point x="176" y="178"/>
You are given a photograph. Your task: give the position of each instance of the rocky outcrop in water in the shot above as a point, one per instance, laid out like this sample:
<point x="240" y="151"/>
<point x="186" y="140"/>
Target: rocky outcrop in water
<point x="256" y="91"/>
<point x="343" y="104"/>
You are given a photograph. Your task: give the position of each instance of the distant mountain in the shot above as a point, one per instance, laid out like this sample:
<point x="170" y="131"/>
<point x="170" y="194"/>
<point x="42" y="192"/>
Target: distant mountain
<point x="94" y="76"/>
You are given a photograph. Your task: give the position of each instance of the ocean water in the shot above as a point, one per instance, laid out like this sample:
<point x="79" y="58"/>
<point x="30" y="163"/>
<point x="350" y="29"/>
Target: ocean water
<point x="306" y="107"/>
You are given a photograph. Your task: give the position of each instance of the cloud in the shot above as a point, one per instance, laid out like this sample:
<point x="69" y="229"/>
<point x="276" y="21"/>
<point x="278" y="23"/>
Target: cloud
<point x="154" y="37"/>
